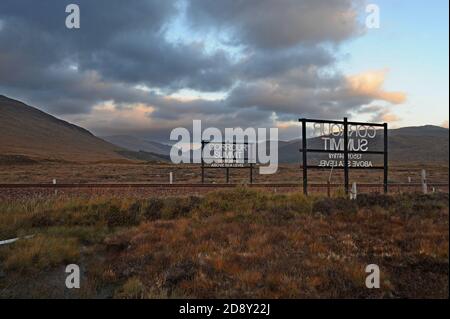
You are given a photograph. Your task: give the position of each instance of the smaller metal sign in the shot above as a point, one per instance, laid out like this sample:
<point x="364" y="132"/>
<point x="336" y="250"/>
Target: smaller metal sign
<point x="227" y="155"/>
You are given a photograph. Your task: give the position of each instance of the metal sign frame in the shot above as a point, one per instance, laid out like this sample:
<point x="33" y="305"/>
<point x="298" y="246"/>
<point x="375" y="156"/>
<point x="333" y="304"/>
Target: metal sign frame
<point x="227" y="169"/>
<point x="304" y="150"/>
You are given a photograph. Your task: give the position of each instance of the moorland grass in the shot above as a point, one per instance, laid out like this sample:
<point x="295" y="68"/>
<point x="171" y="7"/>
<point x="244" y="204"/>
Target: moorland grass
<point x="237" y="243"/>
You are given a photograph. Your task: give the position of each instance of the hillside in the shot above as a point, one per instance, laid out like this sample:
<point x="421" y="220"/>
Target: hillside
<point x="420" y="144"/>
<point x="136" y="144"/>
<point x="415" y="144"/>
<point x="26" y="132"/>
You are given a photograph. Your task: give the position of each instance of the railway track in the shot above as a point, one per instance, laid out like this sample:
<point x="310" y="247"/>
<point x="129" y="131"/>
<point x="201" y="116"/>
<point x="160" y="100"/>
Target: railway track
<point x="206" y="185"/>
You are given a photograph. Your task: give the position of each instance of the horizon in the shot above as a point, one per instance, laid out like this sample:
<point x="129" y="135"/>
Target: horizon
<point x="170" y="143"/>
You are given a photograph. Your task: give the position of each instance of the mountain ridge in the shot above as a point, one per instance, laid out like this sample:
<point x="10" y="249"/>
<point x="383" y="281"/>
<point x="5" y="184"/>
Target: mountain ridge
<point x="28" y="135"/>
<point x="26" y="131"/>
<point x="137" y="144"/>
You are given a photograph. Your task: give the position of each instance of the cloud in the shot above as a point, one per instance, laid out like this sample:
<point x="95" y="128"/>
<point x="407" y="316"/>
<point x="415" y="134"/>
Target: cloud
<point x="331" y="97"/>
<point x="110" y="118"/>
<point x="267" y="24"/>
<point x="379" y="113"/>
<point x="369" y="84"/>
<point x="385" y="117"/>
<point x="266" y="62"/>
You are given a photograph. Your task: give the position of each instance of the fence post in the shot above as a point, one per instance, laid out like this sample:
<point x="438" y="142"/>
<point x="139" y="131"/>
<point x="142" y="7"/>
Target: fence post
<point x="354" y="191"/>
<point x="424" y="182"/>
<point x="54" y="183"/>
<point x="171" y="178"/>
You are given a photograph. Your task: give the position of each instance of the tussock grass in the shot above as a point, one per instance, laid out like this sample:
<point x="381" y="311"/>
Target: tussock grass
<point x="39" y="253"/>
<point x="241" y="243"/>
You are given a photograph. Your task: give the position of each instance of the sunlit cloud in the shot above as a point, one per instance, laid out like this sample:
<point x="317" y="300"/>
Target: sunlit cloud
<point x="371" y="84"/>
<point x="389" y="117"/>
<point x="108" y="116"/>
<point x="187" y="95"/>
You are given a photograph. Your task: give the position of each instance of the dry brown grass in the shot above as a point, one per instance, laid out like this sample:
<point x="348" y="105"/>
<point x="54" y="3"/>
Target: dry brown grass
<point x="239" y="243"/>
<point x="40" y="253"/>
<point x="44" y="172"/>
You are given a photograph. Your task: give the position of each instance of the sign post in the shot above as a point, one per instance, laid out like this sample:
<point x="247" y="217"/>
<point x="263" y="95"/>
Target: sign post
<point x="203" y="164"/>
<point x="227" y="155"/>
<point x="305" y="158"/>
<point x="385" y="177"/>
<point x="346" y="179"/>
<point x="345" y="143"/>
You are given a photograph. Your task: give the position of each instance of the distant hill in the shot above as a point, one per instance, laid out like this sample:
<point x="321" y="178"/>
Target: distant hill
<point x="136" y="144"/>
<point x="28" y="135"/>
<point x="144" y="156"/>
<point x="419" y="144"/>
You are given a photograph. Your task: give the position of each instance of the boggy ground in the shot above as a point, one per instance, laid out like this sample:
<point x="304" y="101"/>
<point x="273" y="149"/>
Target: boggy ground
<point x="45" y="172"/>
<point x="237" y="243"/>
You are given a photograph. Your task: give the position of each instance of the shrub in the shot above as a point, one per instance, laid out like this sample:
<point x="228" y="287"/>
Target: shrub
<point x="42" y="219"/>
<point x="151" y="209"/>
<point x="329" y="206"/>
<point x="425" y="203"/>
<point x="41" y="252"/>
<point x="240" y="199"/>
<point x="184" y="270"/>
<point x="116" y="216"/>
<point x="420" y="203"/>
<point x="369" y="200"/>
<point x="133" y="288"/>
<point x="179" y="207"/>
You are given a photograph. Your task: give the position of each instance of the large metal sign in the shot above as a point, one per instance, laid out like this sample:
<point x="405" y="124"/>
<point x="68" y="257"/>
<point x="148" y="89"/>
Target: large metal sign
<point x="226" y="155"/>
<point x="344" y="145"/>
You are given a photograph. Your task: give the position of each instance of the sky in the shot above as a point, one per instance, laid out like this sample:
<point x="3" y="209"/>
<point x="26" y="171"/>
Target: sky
<point x="145" y="67"/>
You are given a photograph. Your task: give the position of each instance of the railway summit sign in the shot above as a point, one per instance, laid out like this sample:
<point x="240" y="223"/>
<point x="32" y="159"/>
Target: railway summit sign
<point x="228" y="155"/>
<point x="332" y="136"/>
<point x="345" y="145"/>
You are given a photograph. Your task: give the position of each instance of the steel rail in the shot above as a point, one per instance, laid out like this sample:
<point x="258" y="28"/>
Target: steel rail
<point x="198" y="185"/>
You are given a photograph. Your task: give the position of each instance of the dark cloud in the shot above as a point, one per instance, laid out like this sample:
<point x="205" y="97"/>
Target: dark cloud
<point x="121" y="42"/>
<point x="260" y="64"/>
<point x="139" y="58"/>
<point x="269" y="24"/>
<point x="275" y="59"/>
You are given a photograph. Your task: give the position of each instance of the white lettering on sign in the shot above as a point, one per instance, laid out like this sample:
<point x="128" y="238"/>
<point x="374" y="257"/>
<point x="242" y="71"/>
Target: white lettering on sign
<point x="332" y="136"/>
<point x="227" y="154"/>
